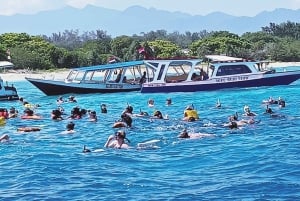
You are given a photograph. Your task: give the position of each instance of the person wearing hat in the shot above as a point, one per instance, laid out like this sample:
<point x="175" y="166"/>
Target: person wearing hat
<point x="117" y="141"/>
<point x="190" y="114"/>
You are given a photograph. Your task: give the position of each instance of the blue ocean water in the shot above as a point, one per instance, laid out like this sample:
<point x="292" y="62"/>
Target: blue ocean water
<point x="257" y="162"/>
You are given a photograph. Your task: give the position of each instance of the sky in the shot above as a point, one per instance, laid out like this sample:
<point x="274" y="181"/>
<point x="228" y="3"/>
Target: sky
<point x="193" y="7"/>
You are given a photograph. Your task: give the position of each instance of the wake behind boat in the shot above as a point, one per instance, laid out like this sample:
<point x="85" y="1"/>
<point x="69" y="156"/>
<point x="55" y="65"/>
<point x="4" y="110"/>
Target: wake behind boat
<point x="109" y="78"/>
<point x="219" y="73"/>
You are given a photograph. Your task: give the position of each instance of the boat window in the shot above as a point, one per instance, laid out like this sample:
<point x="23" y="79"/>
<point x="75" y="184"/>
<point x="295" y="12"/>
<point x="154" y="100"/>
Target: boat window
<point x="95" y="76"/>
<point x="177" y="73"/>
<point x="89" y="75"/>
<point x="79" y="76"/>
<point x="232" y="70"/>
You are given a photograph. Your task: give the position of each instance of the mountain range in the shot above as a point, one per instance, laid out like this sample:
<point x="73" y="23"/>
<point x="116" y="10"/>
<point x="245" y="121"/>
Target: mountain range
<point x="137" y="20"/>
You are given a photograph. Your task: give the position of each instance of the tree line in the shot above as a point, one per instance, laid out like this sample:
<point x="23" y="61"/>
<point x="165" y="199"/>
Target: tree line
<point x="69" y="49"/>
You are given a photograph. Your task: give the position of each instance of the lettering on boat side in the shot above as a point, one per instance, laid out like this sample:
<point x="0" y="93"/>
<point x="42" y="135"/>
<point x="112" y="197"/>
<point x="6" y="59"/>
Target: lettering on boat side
<point x="157" y="85"/>
<point x="114" y="86"/>
<point x="232" y="79"/>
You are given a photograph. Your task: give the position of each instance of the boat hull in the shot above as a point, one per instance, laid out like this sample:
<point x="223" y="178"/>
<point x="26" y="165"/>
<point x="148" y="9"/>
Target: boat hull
<point x="52" y="87"/>
<point x="209" y="85"/>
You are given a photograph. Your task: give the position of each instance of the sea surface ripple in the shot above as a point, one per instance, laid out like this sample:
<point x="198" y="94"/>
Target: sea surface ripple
<point x="257" y="162"/>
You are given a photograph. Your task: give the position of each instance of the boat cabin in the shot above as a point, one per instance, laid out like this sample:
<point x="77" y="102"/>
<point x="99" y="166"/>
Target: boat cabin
<point x="117" y="73"/>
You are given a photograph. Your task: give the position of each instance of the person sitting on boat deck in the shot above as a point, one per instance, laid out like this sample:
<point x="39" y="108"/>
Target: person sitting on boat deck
<point x="143" y="78"/>
<point x="168" y="101"/>
<point x="195" y="77"/>
<point x="281" y="102"/>
<point x="185" y="134"/>
<point x="4" y="138"/>
<point x="117" y="141"/>
<point x="72" y="99"/>
<point x="92" y="115"/>
<point x="203" y="74"/>
<point x="12" y="112"/>
<point x="103" y="108"/>
<point x="150" y="102"/>
<point x="125" y="121"/>
<point x="190" y="114"/>
<point x="56" y="115"/>
<point x="248" y="112"/>
<point x="29" y="114"/>
<point x="4" y="113"/>
<point x="60" y="100"/>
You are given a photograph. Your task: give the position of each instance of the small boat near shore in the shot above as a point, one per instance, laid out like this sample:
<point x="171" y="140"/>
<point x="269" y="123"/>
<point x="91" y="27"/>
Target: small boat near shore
<point x="108" y="78"/>
<point x="220" y="72"/>
<point x="8" y="93"/>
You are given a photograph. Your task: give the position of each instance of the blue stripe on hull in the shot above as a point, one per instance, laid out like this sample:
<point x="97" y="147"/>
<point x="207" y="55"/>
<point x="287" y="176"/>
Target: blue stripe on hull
<point x="271" y="81"/>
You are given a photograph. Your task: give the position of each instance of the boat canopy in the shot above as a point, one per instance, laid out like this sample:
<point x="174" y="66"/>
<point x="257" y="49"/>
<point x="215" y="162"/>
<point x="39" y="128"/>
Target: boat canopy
<point x="222" y="58"/>
<point x="6" y="64"/>
<point x="110" y="66"/>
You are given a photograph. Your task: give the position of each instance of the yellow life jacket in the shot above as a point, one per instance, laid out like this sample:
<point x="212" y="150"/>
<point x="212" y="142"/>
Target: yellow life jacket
<point x="191" y="113"/>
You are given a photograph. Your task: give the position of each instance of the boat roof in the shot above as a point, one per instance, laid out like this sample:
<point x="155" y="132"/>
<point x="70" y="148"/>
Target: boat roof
<point x="6" y="64"/>
<point x="223" y="58"/>
<point x="110" y="66"/>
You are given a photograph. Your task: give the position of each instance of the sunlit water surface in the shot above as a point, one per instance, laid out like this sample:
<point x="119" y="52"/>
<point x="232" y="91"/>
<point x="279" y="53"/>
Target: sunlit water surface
<point x="257" y="162"/>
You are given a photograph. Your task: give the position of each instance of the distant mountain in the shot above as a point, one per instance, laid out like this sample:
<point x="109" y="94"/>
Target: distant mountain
<point x="136" y="20"/>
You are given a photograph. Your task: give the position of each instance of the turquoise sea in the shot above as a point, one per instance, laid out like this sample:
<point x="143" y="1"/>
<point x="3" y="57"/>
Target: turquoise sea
<point x="257" y="162"/>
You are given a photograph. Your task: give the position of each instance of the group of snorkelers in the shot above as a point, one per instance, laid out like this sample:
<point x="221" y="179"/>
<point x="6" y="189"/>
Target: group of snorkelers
<point x="119" y="139"/>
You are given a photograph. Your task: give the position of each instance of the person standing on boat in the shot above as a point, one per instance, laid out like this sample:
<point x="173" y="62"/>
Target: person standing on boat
<point x="117" y="80"/>
<point x="143" y="78"/>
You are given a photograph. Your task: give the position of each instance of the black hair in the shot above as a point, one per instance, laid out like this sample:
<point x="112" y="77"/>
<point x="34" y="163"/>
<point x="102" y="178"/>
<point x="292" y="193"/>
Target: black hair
<point x="127" y="119"/>
<point x="103" y="108"/>
<point x="70" y="126"/>
<point x="233" y="125"/>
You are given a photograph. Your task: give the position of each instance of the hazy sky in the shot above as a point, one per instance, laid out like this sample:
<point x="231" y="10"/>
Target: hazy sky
<point x="194" y="7"/>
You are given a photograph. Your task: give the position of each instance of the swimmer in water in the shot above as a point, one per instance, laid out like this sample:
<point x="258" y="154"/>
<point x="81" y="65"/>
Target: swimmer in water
<point x="117" y="141"/>
<point x="185" y="135"/>
<point x="4" y="138"/>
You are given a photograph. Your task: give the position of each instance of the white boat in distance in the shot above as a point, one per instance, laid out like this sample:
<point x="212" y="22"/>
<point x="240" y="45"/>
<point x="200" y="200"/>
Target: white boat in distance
<point x="220" y="72"/>
<point x="8" y="93"/>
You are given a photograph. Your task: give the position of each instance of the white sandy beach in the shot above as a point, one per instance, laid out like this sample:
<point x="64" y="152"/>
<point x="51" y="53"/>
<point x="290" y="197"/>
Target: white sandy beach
<point x="61" y="74"/>
<point x="20" y="76"/>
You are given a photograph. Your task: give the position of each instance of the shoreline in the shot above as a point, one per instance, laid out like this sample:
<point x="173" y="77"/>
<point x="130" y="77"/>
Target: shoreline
<point x="61" y="74"/>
